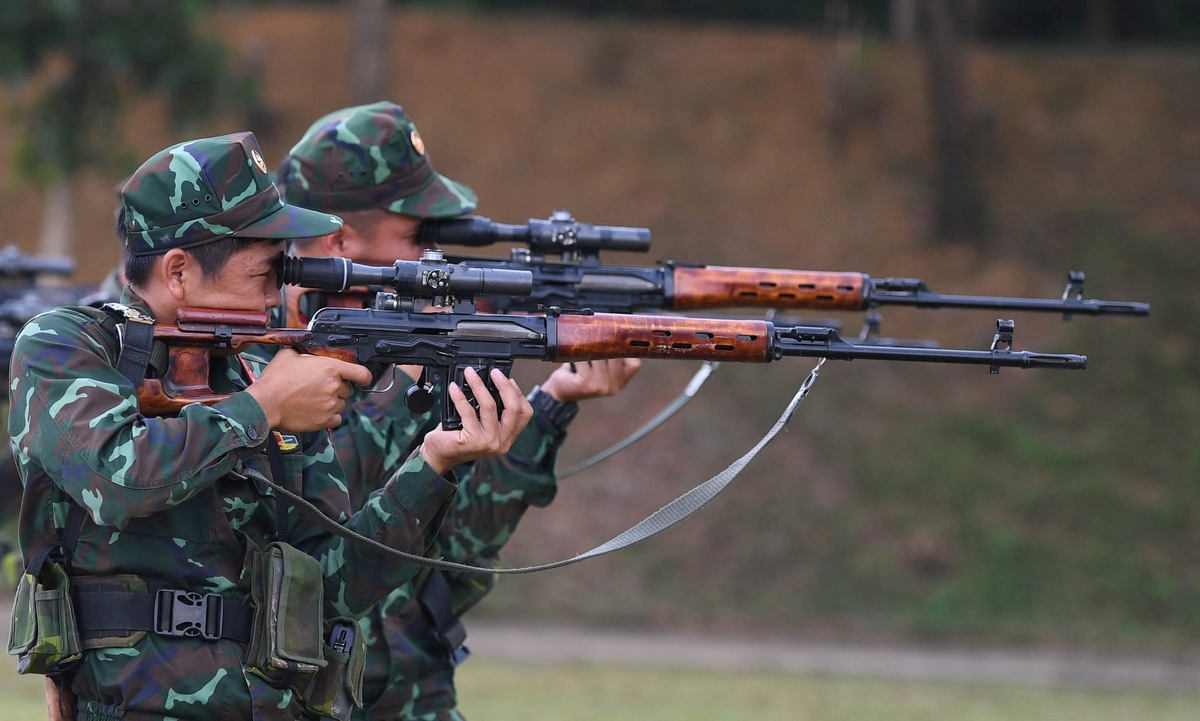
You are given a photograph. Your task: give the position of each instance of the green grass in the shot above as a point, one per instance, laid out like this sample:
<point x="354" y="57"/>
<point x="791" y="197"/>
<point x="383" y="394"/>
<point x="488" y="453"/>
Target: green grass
<point x="498" y="692"/>
<point x="24" y="696"/>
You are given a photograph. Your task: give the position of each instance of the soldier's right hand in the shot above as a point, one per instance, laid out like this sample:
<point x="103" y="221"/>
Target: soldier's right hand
<point x="302" y="393"/>
<point x="488" y="432"/>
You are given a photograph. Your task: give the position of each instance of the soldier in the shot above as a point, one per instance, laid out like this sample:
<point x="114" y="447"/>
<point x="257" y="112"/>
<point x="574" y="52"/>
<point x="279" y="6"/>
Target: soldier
<point x="10" y="501"/>
<point x="370" y="165"/>
<point x="194" y="591"/>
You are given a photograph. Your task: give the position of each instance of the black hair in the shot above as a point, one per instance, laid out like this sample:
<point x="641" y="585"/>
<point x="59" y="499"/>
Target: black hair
<point x="211" y="256"/>
<point x="137" y="267"/>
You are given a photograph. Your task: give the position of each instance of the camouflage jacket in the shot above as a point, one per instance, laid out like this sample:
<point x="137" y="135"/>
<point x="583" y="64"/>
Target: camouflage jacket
<point x="408" y="674"/>
<point x="166" y="500"/>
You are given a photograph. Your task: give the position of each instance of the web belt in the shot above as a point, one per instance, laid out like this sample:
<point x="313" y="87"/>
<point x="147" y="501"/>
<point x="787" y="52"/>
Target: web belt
<point x="178" y="614"/>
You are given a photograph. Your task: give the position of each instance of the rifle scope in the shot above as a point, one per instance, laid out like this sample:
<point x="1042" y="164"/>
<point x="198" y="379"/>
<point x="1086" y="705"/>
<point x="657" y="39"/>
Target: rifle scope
<point x="430" y="277"/>
<point x="561" y="233"/>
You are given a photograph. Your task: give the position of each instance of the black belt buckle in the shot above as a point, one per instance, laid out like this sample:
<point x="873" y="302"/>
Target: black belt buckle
<point x="183" y="614"/>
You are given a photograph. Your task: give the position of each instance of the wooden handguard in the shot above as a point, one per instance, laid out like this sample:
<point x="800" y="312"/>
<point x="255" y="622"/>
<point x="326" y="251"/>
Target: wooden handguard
<point x="197" y="335"/>
<point x="719" y="287"/>
<point x="608" y="335"/>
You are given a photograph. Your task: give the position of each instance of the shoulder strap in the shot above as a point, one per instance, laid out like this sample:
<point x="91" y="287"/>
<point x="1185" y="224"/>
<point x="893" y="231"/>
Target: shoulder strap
<point x="65" y="549"/>
<point x="136" y="334"/>
<point x="448" y="629"/>
<point x="275" y="456"/>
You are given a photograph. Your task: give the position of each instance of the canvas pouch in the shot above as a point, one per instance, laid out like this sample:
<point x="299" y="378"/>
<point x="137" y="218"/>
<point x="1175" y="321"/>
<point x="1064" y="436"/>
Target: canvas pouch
<point x="43" y="634"/>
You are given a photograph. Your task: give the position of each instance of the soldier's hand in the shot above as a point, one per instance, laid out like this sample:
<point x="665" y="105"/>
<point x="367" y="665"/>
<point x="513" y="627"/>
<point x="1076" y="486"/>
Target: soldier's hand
<point x="302" y="393"/>
<point x="591" y="379"/>
<point x="485" y="433"/>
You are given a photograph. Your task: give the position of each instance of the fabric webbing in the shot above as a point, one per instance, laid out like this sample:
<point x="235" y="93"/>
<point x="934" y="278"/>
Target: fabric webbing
<point x="657" y="522"/>
<point x="434" y="599"/>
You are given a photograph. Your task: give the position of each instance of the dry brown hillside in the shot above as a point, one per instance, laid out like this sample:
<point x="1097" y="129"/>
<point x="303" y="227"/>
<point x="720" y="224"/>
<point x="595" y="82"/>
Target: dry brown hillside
<point x="747" y="147"/>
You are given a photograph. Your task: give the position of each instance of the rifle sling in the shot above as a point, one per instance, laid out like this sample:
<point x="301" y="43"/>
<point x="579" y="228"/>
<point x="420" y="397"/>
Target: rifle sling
<point x="659" y="521"/>
<point x="275" y="456"/>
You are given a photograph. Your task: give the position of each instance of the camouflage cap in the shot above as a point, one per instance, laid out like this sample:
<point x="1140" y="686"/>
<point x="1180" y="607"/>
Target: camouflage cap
<point x="369" y="156"/>
<point x="203" y="190"/>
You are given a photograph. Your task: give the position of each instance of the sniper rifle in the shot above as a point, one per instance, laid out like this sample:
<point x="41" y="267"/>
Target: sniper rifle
<point x="579" y="280"/>
<point x="446" y="343"/>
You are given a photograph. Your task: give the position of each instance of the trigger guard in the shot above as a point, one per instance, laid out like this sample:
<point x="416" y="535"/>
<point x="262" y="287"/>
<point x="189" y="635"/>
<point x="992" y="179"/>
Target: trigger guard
<point x="377" y="370"/>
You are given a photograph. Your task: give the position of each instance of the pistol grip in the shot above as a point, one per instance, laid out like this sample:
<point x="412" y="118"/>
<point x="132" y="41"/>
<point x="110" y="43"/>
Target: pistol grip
<point x="451" y="420"/>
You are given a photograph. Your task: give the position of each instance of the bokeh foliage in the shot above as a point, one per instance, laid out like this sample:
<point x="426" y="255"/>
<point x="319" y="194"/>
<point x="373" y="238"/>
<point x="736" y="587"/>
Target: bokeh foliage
<point x="77" y="64"/>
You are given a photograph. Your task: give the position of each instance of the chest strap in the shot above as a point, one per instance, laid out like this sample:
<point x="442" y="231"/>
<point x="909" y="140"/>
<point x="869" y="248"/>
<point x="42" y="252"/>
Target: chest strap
<point x="178" y="614"/>
<point x="448" y="629"/>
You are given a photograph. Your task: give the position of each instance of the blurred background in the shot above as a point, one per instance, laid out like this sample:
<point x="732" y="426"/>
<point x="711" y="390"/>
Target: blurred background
<point x="985" y="146"/>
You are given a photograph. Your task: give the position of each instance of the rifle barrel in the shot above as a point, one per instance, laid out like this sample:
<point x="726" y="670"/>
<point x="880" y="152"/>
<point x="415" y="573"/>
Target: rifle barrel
<point x="816" y="342"/>
<point x="1044" y="305"/>
<point x="911" y="292"/>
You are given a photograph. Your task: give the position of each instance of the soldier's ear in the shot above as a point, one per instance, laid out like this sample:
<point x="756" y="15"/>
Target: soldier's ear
<point x="345" y="242"/>
<point x="333" y="243"/>
<point x="175" y="270"/>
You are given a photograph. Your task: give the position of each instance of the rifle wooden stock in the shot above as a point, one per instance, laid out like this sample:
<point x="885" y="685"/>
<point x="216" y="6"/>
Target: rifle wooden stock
<point x="200" y="333"/>
<point x="721" y="287"/>
<point x="60" y="700"/>
<point x="606" y="336"/>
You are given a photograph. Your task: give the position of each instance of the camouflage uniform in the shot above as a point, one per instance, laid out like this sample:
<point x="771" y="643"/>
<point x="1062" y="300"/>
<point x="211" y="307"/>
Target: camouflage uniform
<point x="409" y="672"/>
<point x="173" y="499"/>
<point x="373" y="157"/>
<point x="10" y="502"/>
<point x="32" y="301"/>
<point x="109" y="290"/>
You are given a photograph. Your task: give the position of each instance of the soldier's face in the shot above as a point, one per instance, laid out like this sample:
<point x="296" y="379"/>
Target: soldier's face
<point x="249" y="281"/>
<point x="394" y="237"/>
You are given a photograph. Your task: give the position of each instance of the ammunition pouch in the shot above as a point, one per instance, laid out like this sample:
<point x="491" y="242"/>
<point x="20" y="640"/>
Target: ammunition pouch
<point x="336" y="687"/>
<point x="286" y="645"/>
<point x="43" y="634"/>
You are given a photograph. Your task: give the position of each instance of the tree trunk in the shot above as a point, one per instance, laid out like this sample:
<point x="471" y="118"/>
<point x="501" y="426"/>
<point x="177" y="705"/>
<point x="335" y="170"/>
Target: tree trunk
<point x="959" y="197"/>
<point x="55" y="237"/>
<point x="368" y="51"/>
<point x="1098" y="21"/>
<point x="902" y="19"/>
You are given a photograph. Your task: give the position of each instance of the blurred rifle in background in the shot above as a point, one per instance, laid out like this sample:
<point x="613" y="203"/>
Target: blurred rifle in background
<point x="23" y="295"/>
